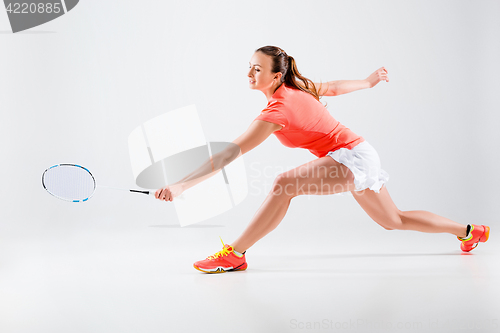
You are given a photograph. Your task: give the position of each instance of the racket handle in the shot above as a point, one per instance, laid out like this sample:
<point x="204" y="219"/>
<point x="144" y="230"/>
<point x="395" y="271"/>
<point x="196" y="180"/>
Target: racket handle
<point x="143" y="192"/>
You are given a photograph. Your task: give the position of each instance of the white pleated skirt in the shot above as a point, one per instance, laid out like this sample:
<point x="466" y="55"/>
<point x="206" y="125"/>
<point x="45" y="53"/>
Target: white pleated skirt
<point x="364" y="163"/>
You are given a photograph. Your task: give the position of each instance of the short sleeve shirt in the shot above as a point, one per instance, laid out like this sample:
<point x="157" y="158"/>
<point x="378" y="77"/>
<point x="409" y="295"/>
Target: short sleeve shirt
<point x="306" y="123"/>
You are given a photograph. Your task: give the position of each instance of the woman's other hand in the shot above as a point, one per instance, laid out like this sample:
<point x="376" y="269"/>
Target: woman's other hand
<point x="379" y="75"/>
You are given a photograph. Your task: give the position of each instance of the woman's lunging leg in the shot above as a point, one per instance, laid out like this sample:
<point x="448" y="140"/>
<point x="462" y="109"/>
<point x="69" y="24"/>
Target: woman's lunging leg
<point x="267" y="218"/>
<point x="322" y="176"/>
<point x="421" y="220"/>
<point x="381" y="208"/>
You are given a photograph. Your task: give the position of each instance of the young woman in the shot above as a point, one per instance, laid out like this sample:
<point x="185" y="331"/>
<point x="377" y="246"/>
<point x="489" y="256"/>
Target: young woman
<point x="346" y="162"/>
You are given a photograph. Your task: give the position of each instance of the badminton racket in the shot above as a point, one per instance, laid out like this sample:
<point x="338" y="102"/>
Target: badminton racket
<point x="75" y="183"/>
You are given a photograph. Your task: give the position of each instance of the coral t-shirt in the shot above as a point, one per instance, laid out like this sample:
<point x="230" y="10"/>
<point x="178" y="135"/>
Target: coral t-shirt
<point x="306" y="123"/>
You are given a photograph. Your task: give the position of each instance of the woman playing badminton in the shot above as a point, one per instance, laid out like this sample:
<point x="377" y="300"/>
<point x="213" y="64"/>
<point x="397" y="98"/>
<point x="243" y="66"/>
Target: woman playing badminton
<point x="346" y="161"/>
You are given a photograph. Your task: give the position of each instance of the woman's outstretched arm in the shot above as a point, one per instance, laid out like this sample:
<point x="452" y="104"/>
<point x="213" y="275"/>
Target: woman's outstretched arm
<point x="256" y="133"/>
<point x="335" y="88"/>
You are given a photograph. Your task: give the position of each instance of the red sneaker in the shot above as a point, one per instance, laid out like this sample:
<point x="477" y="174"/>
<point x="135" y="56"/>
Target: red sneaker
<point x="477" y="233"/>
<point x="223" y="261"/>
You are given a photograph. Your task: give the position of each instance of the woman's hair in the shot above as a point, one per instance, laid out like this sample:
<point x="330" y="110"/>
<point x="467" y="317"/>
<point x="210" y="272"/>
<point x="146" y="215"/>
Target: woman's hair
<point x="290" y="74"/>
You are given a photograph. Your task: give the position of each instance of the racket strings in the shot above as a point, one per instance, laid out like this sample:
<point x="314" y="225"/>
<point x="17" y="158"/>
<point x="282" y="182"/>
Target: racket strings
<point x="69" y="182"/>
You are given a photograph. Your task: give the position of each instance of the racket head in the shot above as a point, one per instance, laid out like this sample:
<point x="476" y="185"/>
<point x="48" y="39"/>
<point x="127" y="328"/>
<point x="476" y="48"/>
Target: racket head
<point x="69" y="182"/>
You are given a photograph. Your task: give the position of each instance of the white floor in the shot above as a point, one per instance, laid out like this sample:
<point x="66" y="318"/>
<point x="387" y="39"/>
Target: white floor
<point x="143" y="281"/>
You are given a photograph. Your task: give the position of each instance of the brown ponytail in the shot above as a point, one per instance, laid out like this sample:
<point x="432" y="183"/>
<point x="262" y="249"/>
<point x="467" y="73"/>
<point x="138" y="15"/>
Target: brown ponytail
<point x="285" y="64"/>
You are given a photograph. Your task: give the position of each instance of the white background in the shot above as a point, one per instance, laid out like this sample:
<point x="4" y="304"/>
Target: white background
<point x="73" y="89"/>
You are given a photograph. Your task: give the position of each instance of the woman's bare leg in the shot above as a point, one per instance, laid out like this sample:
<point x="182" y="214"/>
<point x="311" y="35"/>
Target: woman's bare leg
<point x="269" y="215"/>
<point x="319" y="177"/>
<point x="381" y="208"/>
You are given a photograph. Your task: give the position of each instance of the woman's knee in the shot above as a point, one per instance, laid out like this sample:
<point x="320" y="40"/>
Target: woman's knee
<point x="284" y="185"/>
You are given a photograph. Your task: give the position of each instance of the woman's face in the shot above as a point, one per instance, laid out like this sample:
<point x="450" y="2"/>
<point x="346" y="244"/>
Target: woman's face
<point x="260" y="75"/>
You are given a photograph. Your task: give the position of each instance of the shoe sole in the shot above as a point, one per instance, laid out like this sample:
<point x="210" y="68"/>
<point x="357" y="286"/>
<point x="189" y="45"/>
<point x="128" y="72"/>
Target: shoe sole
<point x="221" y="270"/>
<point x="486" y="233"/>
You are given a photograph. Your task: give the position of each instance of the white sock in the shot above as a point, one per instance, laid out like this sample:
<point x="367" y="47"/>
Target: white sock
<point x="469" y="227"/>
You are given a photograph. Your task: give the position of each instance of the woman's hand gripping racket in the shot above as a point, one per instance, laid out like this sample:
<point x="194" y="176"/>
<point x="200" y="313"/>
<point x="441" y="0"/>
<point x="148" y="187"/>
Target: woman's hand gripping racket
<point x="75" y="183"/>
